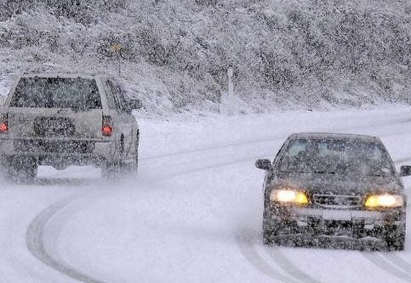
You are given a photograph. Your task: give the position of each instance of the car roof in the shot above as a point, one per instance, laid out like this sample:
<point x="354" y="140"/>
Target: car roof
<point x="335" y="136"/>
<point x="62" y="75"/>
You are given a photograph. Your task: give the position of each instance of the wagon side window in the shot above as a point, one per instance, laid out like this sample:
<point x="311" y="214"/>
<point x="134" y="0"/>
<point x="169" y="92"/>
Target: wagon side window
<point x="114" y="92"/>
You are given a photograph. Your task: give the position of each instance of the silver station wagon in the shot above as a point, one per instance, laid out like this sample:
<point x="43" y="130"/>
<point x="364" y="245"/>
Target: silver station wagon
<point x="62" y="120"/>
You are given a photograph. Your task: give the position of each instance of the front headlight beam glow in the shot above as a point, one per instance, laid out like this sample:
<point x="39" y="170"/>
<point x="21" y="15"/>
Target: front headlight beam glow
<point x="289" y="196"/>
<point x="384" y="200"/>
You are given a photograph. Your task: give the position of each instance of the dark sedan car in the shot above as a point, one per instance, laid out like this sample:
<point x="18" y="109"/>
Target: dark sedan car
<point x="334" y="188"/>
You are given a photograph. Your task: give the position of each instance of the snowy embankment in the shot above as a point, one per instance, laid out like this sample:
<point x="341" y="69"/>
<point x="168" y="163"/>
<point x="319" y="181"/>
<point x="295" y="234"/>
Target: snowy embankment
<point x="176" y="55"/>
<point x="194" y="213"/>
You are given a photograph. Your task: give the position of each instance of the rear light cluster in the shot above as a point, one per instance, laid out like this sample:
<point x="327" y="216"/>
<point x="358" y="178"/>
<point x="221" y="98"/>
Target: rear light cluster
<point x="107" y="126"/>
<point x="4" y="124"/>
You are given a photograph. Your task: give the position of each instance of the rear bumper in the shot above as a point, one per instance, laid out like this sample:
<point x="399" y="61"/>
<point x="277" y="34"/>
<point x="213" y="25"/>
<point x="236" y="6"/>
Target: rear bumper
<point x="65" y="151"/>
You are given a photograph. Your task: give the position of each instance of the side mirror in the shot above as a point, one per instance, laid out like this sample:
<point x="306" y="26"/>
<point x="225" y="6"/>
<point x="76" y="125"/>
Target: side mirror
<point x="405" y="170"/>
<point x="264" y="164"/>
<point x="132" y="104"/>
<point x="135" y="104"/>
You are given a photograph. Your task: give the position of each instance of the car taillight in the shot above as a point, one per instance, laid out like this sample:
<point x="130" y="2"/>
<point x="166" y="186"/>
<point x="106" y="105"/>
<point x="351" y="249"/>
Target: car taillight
<point x="107" y="127"/>
<point x="4" y="124"/>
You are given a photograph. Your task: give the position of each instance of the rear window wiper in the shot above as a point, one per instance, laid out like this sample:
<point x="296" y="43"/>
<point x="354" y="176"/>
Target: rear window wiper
<point x="324" y="172"/>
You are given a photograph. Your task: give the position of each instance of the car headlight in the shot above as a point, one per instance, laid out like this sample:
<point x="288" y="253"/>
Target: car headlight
<point x="289" y="196"/>
<point x="385" y="200"/>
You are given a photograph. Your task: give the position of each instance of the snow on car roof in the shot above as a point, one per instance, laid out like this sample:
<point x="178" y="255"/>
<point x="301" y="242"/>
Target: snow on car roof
<point x="62" y="75"/>
<point x="339" y="136"/>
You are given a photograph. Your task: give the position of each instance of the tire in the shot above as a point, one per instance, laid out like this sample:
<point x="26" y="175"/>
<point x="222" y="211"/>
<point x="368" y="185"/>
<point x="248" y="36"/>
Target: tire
<point x="270" y="231"/>
<point x="395" y="238"/>
<point x="131" y="168"/>
<point x="281" y="233"/>
<point x="111" y="170"/>
<point x="135" y="167"/>
<point x="20" y="169"/>
<point x="399" y="244"/>
<point x="268" y="237"/>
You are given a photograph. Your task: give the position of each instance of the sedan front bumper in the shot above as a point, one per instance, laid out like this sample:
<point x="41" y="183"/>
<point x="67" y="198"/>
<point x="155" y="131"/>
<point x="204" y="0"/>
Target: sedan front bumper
<point x="369" y="218"/>
<point x="335" y="223"/>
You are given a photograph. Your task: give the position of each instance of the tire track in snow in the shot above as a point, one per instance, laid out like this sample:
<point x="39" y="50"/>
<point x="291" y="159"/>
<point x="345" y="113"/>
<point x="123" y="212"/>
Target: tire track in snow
<point x="387" y="260"/>
<point x="288" y="266"/>
<point x="36" y="246"/>
<point x="381" y="261"/>
<point x="400" y="262"/>
<point x="210" y="148"/>
<point x="248" y="248"/>
<point x="35" y="232"/>
<point x="245" y="241"/>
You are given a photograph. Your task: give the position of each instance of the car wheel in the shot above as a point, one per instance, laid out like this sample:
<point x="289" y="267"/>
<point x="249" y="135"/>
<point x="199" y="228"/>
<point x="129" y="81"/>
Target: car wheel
<point x="399" y="244"/>
<point x="134" y="165"/>
<point x="20" y="169"/>
<point x="395" y="237"/>
<point x="111" y="169"/>
<point x="136" y="157"/>
<point x="270" y="231"/>
<point x="268" y="237"/>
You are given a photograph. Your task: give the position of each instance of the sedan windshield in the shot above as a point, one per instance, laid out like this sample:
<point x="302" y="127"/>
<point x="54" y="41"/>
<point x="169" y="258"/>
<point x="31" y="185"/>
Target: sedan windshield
<point x="336" y="157"/>
<point x="77" y="93"/>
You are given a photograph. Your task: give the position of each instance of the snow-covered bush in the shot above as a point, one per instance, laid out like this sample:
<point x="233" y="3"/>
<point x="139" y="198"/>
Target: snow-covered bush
<point x="282" y="52"/>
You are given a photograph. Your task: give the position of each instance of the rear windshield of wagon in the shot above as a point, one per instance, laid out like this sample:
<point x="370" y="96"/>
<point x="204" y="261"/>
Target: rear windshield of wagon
<point x="77" y="93"/>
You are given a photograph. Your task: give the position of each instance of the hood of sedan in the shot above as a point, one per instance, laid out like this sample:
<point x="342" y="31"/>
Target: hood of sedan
<point x="327" y="183"/>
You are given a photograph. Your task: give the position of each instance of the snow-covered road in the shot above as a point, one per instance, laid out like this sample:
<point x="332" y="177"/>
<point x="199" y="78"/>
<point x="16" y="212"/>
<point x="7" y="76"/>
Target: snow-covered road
<point x="194" y="213"/>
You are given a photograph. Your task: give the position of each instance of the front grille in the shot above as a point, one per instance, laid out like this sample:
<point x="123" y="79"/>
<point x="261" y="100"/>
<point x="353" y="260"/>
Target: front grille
<point x="38" y="146"/>
<point x="337" y="201"/>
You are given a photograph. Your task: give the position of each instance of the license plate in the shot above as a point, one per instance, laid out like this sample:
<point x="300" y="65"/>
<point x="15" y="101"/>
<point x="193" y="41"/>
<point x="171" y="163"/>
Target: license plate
<point x="338" y="215"/>
<point x="53" y="126"/>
